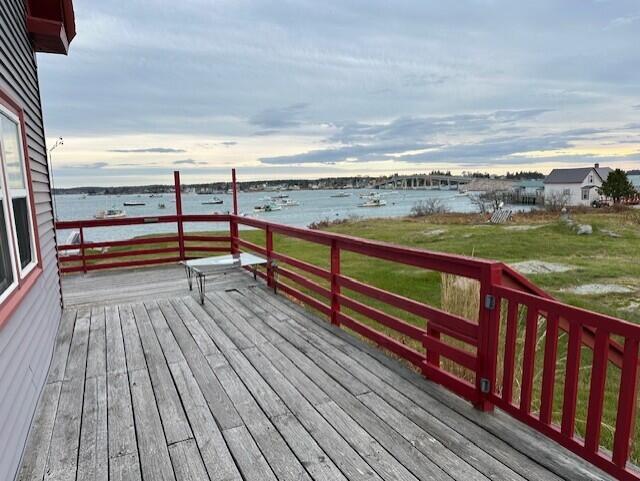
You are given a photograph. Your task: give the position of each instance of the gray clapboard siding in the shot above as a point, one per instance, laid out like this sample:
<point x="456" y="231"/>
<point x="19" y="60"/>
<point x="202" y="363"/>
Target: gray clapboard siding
<point x="27" y="338"/>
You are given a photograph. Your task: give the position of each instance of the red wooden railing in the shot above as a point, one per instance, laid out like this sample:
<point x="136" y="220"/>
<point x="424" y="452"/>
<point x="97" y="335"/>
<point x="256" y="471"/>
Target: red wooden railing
<point x="479" y="359"/>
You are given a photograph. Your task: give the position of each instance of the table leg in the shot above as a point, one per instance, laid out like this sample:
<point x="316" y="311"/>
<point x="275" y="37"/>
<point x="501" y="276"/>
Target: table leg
<point x="201" y="287"/>
<point x="255" y="272"/>
<point x="189" y="277"/>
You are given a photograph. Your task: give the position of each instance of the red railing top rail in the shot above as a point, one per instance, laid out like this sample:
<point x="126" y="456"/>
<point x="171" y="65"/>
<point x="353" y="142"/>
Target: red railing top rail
<point x="451" y="263"/>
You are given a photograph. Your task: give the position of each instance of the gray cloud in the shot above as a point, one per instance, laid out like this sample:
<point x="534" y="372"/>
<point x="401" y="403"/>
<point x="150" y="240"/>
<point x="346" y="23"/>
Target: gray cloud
<point x="229" y="143"/>
<point x="353" y="153"/>
<point x="91" y="165"/>
<point x="280" y="117"/>
<point x="149" y="150"/>
<point x="189" y="162"/>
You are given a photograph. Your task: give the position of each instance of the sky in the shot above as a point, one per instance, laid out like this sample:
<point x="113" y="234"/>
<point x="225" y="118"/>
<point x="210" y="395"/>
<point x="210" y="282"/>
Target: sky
<point x="307" y="89"/>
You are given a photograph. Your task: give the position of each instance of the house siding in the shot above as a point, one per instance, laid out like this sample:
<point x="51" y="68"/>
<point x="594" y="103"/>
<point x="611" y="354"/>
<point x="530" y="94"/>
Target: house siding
<point x="27" y="337"/>
<point x="575" y="190"/>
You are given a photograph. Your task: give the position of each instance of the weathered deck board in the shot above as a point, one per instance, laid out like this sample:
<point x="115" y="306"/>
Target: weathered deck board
<point x="146" y="383"/>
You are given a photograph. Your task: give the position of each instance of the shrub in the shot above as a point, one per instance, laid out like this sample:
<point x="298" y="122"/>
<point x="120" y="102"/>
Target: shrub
<point x="428" y="207"/>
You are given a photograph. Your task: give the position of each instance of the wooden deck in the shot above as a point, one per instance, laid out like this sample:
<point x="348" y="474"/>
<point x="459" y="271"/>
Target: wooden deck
<point x="251" y="387"/>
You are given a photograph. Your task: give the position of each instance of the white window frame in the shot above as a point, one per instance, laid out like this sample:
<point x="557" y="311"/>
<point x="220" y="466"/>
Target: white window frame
<point x="13" y="237"/>
<point x="586" y="194"/>
<point x="7" y="228"/>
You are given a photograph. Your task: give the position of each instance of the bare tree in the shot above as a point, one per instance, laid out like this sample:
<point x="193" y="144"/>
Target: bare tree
<point x="489" y="201"/>
<point x="556" y="201"/>
<point x="428" y="207"/>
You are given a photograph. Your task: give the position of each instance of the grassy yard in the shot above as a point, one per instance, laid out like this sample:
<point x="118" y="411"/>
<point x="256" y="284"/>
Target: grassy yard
<point x="610" y="256"/>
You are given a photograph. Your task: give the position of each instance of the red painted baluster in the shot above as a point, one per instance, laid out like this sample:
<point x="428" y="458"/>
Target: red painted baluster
<point x="571" y="380"/>
<point x="627" y="398"/>
<point x="510" y="351"/>
<point x="596" y="393"/>
<point x="529" y="358"/>
<point x="549" y="370"/>
<point x="335" y="287"/>
<point x="84" y="261"/>
<point x="269" y="247"/>
<point x="433" y="357"/>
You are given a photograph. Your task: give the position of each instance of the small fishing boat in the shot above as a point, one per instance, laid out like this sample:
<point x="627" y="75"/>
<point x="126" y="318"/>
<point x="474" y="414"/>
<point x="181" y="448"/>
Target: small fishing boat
<point x="280" y="196"/>
<point x="133" y="203"/>
<point x="267" y="208"/>
<point x="214" y="201"/>
<point x="368" y="195"/>
<point x="342" y="194"/>
<point x="112" y="213"/>
<point x="161" y="205"/>
<point x="374" y="202"/>
<point x="287" y="203"/>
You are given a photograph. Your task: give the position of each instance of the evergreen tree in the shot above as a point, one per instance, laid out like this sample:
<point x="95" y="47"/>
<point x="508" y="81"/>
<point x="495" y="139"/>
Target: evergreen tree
<point x="617" y="186"/>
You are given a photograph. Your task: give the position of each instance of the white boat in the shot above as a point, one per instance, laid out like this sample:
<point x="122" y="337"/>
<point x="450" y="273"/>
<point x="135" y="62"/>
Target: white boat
<point x="133" y="203"/>
<point x="112" y="213"/>
<point x="287" y="203"/>
<point x="214" y="201"/>
<point x="369" y="195"/>
<point x="374" y="202"/>
<point x="267" y="208"/>
<point x="342" y="194"/>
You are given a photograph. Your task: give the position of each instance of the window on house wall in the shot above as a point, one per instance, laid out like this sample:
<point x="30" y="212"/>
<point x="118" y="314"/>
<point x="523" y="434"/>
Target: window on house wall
<point x="18" y="256"/>
<point x="585" y="194"/>
<point x="7" y="274"/>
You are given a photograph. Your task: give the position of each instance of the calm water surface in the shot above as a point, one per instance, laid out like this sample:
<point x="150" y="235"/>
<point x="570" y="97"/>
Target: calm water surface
<point x="315" y="205"/>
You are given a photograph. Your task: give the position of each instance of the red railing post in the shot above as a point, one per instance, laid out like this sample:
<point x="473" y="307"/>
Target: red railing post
<point x="234" y="185"/>
<point x="335" y="287"/>
<point x="178" y="189"/>
<point x="233" y="224"/>
<point x="269" y="247"/>
<point x="84" y="261"/>
<point x="488" y="324"/>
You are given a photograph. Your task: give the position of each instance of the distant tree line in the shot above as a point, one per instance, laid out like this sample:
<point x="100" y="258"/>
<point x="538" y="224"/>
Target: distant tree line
<point x="525" y="175"/>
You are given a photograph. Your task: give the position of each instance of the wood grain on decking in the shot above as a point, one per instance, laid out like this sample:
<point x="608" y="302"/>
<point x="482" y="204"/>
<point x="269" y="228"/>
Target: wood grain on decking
<point x="252" y="387"/>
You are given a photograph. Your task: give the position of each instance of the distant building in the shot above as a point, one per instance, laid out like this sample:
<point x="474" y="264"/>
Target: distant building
<point x="635" y="180"/>
<point x="575" y="186"/>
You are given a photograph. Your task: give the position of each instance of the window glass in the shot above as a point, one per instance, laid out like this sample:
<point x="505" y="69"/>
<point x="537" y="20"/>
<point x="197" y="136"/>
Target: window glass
<point x="21" y="215"/>
<point x="13" y="161"/>
<point x="6" y="270"/>
<point x="12" y="153"/>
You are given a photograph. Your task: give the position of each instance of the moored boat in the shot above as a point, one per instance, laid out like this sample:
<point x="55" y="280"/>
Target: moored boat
<point x="267" y="208"/>
<point x="112" y="213"/>
<point x="214" y="201"/>
<point x="133" y="203"/>
<point x="374" y="202"/>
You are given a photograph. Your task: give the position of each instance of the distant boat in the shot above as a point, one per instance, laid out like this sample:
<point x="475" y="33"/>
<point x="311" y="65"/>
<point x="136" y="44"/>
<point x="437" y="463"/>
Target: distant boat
<point x="267" y="208"/>
<point x="110" y="214"/>
<point x="374" y="202"/>
<point x="161" y="205"/>
<point x="287" y="203"/>
<point x="280" y="196"/>
<point x="133" y="203"/>
<point x="368" y="195"/>
<point x="214" y="201"/>
<point x="341" y="194"/>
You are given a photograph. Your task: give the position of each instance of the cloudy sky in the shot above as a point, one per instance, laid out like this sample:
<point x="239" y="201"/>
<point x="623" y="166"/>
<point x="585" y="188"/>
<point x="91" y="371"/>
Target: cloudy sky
<point x="308" y="88"/>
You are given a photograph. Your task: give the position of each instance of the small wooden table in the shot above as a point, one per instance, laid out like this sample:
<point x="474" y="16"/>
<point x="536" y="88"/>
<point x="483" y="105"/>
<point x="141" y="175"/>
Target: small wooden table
<point x="200" y="268"/>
